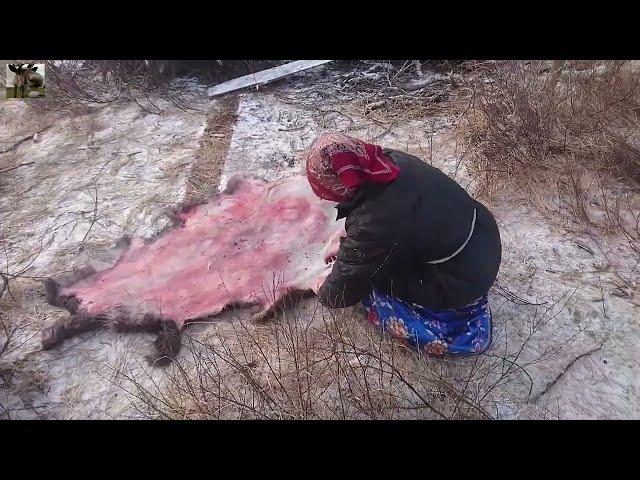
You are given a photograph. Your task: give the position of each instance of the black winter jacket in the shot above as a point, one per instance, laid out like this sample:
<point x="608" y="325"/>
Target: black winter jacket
<point x="394" y="230"/>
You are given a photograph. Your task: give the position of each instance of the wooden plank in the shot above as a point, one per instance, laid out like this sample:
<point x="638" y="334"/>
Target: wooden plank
<point x="265" y="76"/>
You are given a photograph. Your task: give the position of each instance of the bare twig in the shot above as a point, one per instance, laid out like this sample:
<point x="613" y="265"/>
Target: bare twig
<point x="5" y="286"/>
<point x="20" y="142"/>
<point x="95" y="213"/>
<point x="24" y="164"/>
<point x="563" y="371"/>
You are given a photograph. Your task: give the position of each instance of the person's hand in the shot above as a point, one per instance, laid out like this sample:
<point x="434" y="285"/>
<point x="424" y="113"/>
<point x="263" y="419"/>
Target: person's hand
<point x="333" y="245"/>
<point x="331" y="255"/>
<point x="330" y="259"/>
<point x="322" y="277"/>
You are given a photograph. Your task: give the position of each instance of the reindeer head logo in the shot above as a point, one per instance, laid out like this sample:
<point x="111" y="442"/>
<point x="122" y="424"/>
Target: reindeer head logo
<point x="26" y="76"/>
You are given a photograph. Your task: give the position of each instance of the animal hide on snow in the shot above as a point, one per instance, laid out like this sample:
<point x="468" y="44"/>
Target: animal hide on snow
<point x="255" y="244"/>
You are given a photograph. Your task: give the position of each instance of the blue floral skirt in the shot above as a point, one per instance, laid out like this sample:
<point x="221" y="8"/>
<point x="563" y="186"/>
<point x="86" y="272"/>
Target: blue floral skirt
<point x="455" y="331"/>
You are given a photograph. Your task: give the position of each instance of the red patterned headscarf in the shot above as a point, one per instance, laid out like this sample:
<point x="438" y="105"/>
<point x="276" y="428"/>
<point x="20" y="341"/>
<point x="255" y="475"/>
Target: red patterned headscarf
<point x="339" y="164"/>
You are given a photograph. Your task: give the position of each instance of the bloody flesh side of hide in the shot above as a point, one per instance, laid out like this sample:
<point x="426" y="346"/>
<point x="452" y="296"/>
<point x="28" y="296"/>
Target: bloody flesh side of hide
<point x="255" y="244"/>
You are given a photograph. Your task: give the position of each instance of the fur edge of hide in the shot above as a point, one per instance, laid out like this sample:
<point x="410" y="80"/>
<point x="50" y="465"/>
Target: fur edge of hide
<point x="168" y="341"/>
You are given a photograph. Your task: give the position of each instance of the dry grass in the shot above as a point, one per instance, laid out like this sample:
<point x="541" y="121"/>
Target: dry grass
<point x="399" y="96"/>
<point x="101" y="82"/>
<point x="207" y="168"/>
<point x="77" y="88"/>
<point x="20" y="379"/>
<point x="325" y="365"/>
<point x="97" y="81"/>
<point x="531" y="130"/>
<point x="564" y="137"/>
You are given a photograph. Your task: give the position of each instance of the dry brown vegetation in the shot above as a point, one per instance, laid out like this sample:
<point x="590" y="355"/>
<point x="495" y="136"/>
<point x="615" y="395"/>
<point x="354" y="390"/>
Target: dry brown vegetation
<point x="19" y="379"/>
<point x="107" y="81"/>
<point x="563" y="137"/>
<point x="207" y="168"/>
<point x="559" y="133"/>
<point x="333" y="365"/>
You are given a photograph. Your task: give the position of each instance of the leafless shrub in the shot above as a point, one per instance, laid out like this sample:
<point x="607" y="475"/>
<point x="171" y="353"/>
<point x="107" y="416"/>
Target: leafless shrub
<point x="335" y="366"/>
<point x="19" y="379"/>
<point x="565" y="137"/>
<point x="522" y="130"/>
<point x="75" y="84"/>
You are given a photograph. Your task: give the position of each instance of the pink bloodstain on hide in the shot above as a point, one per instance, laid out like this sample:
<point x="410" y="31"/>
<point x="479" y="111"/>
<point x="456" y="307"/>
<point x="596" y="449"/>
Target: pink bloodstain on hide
<point x="232" y="250"/>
